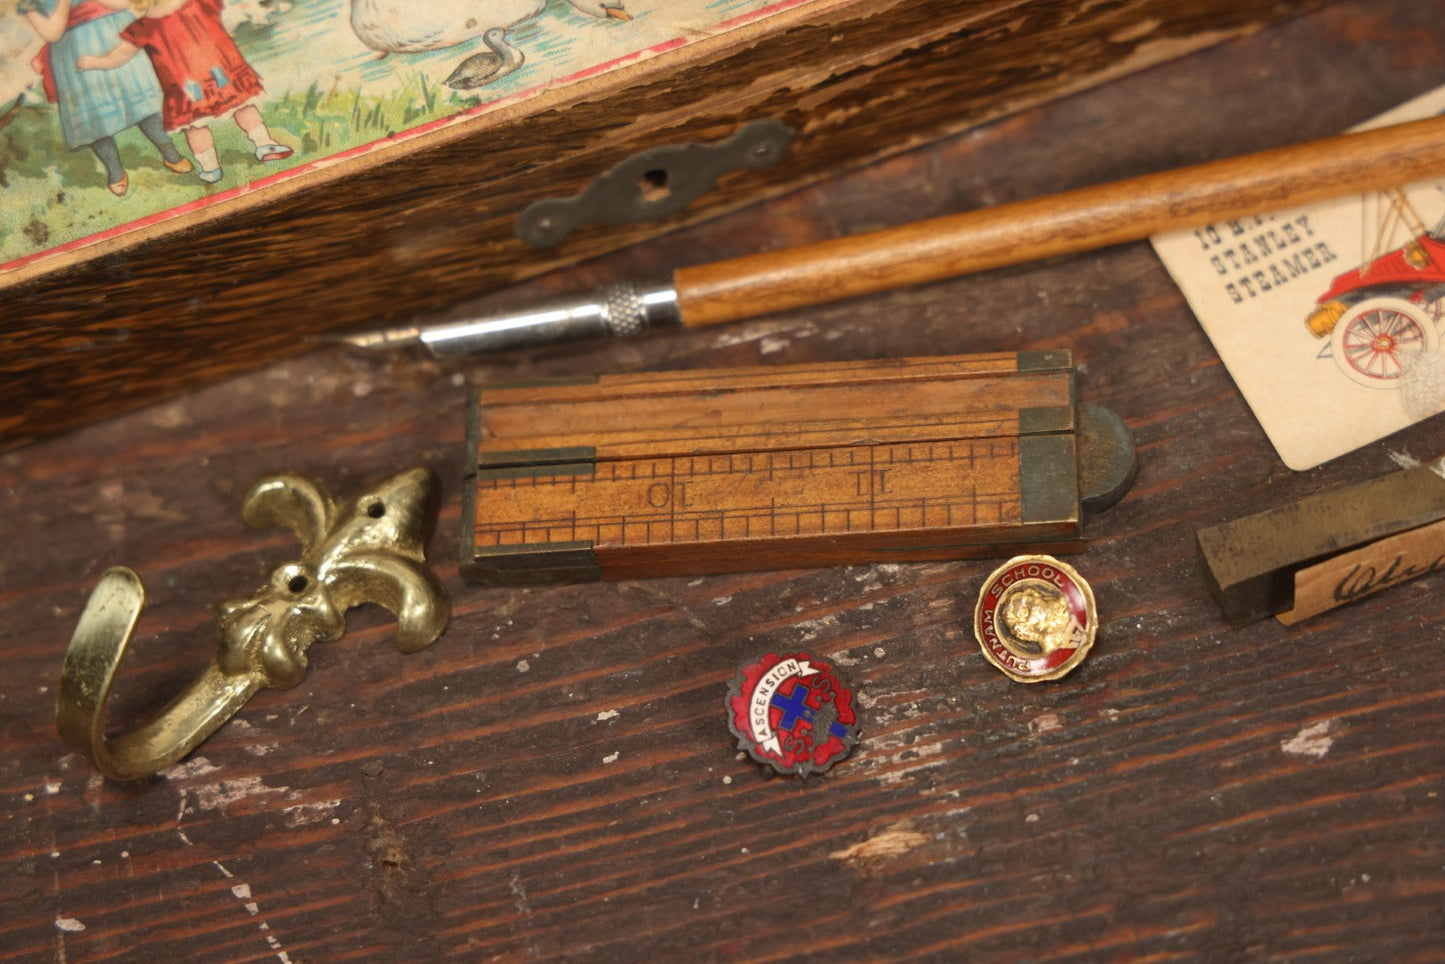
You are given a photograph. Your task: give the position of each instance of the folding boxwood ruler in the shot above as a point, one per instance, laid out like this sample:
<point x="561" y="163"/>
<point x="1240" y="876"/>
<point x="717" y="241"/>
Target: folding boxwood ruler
<point x="675" y="473"/>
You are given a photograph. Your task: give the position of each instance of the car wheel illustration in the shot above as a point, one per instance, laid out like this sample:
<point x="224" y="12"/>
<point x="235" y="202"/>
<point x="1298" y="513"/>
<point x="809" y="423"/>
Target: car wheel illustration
<point x="1377" y="340"/>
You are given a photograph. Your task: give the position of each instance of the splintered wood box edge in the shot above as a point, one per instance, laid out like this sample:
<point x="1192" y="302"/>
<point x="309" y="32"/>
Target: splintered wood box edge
<point x="680" y="473"/>
<point x="407" y="221"/>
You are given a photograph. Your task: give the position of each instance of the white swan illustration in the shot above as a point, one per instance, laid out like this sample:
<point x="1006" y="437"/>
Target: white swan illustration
<point x="413" y="26"/>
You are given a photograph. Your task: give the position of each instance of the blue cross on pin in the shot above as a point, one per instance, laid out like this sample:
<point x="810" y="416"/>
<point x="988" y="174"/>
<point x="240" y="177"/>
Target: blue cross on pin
<point x="794" y="706"/>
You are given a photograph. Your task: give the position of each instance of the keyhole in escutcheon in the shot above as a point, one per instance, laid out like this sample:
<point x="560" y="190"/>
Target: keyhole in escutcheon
<point x="653" y="185"/>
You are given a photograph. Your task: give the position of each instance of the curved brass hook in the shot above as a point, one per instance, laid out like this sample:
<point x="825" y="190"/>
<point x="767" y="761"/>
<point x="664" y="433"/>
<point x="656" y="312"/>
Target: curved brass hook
<point x="367" y="550"/>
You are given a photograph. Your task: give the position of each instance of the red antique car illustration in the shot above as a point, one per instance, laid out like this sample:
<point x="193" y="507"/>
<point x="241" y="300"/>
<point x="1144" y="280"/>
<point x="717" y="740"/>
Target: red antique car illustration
<point x="1383" y="315"/>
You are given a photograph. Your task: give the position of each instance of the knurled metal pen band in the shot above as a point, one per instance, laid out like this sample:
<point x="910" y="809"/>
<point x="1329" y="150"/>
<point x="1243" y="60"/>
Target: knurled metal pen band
<point x="628" y="308"/>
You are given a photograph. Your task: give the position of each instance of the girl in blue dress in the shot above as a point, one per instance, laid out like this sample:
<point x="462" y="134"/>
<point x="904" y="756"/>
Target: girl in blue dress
<point x="97" y="105"/>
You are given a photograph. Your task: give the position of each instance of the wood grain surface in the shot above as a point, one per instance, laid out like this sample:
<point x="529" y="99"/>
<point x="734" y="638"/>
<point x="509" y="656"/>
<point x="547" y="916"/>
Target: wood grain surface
<point x="774" y="468"/>
<point x="1070" y="222"/>
<point x="554" y="778"/>
<point x="781" y="407"/>
<point x="220" y="294"/>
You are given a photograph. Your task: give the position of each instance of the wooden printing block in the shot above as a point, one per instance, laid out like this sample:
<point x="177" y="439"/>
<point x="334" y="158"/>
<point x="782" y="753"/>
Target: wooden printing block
<point x="1310" y="556"/>
<point x="672" y="473"/>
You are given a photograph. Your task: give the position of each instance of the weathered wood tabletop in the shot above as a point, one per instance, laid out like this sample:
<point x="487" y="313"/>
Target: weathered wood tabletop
<point x="554" y="778"/>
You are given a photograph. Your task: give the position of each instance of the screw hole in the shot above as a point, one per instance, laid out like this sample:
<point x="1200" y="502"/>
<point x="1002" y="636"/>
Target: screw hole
<point x="376" y="510"/>
<point x="298" y="583"/>
<point x="653" y="185"/>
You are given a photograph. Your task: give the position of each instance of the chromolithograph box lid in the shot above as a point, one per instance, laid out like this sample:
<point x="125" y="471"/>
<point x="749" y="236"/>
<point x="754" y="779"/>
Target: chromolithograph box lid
<point x="336" y="83"/>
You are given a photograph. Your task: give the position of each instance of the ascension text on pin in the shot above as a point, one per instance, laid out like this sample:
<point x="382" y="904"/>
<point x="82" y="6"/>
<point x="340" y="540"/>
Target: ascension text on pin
<point x="791" y="712"/>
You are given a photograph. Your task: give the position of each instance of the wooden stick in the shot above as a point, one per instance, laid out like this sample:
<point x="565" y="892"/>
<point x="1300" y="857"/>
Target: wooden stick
<point x="1080" y="220"/>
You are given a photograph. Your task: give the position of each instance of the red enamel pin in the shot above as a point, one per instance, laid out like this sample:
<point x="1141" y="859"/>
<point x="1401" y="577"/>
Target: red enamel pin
<point x="792" y="712"/>
<point x="1035" y="618"/>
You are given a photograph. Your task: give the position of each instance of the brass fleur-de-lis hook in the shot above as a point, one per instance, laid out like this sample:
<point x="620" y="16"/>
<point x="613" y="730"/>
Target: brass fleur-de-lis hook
<point x="365" y="550"/>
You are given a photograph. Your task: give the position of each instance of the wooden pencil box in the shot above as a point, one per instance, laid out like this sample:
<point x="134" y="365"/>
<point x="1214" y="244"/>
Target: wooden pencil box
<point x="674" y="473"/>
<point x="406" y="195"/>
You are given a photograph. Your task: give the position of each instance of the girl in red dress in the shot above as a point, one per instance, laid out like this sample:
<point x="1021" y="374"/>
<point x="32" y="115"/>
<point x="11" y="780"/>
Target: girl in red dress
<point x="202" y="73"/>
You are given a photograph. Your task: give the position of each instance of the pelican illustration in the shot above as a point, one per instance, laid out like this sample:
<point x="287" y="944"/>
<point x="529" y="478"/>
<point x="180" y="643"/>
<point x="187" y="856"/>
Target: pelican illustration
<point x="406" y="26"/>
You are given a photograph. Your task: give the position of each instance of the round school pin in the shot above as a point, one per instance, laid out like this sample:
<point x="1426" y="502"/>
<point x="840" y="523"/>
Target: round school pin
<point x="1035" y="618"/>
<point x="792" y="712"/>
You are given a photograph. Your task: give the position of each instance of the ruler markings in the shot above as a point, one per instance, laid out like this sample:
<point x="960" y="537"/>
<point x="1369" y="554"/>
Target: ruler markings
<point x="610" y="476"/>
<point x="580" y="528"/>
<point x="830" y="515"/>
<point x="872" y="488"/>
<point x="727" y="466"/>
<point x="815" y="435"/>
<point x="672" y="503"/>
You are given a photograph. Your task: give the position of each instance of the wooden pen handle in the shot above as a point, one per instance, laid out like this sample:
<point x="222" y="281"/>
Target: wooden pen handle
<point x="1080" y="220"/>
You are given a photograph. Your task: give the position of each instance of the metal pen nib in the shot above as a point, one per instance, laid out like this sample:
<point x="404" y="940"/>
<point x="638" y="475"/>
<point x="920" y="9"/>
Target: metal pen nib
<point x="619" y="310"/>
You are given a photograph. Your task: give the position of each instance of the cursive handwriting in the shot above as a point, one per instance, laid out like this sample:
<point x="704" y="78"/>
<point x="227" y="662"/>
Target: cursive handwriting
<point x="1363" y="580"/>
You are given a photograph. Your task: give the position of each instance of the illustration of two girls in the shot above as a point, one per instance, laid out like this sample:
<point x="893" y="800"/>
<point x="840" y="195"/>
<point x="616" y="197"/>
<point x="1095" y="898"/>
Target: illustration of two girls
<point x="194" y="73"/>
